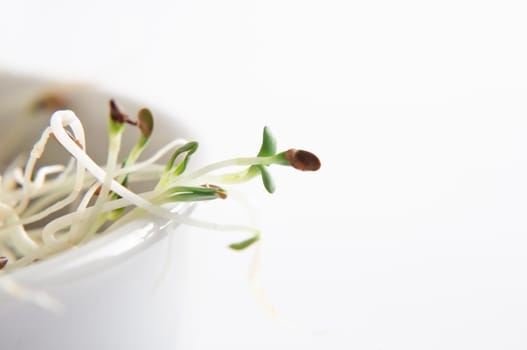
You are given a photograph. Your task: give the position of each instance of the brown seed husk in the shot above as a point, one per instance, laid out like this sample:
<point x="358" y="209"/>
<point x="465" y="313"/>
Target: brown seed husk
<point x="302" y="160"/>
<point x="3" y="262"/>
<point x="118" y="116"/>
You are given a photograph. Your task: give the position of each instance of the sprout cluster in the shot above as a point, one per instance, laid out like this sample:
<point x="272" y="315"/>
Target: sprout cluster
<point x="46" y="210"/>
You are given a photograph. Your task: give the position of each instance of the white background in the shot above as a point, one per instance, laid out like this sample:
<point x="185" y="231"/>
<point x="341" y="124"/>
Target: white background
<point x="413" y="234"/>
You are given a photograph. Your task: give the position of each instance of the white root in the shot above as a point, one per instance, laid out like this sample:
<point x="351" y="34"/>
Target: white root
<point x="17" y="237"/>
<point x="59" y="120"/>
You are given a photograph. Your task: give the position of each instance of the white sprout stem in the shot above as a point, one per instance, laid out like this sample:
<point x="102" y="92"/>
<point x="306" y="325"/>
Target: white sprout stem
<point x="85" y="161"/>
<point x="136" y="151"/>
<point x="48" y="186"/>
<point x="48" y="233"/>
<point x="61" y="182"/>
<point x="6" y="252"/>
<point x="153" y="172"/>
<point x="89" y="227"/>
<point x="18" y="177"/>
<point x="45" y="171"/>
<point x="42" y="203"/>
<point x="230" y="178"/>
<point x="136" y="170"/>
<point x="134" y="154"/>
<point x="29" y="188"/>
<point x="8" y="179"/>
<point x="160" y="153"/>
<point x="17" y="236"/>
<point x="87" y="197"/>
<point x="68" y="170"/>
<point x="246" y="161"/>
<point x="35" y="154"/>
<point x="59" y="120"/>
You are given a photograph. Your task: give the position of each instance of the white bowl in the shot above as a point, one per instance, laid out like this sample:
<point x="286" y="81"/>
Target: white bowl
<point x="123" y="290"/>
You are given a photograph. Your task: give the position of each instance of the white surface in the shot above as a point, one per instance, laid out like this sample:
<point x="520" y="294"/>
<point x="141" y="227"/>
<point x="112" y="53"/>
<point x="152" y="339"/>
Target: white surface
<point x="413" y="233"/>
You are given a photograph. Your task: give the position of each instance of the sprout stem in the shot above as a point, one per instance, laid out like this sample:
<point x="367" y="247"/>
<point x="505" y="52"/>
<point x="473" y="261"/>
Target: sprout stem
<point x="196" y="175"/>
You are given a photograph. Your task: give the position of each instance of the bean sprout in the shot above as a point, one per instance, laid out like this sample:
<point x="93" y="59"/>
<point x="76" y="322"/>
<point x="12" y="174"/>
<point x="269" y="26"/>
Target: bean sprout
<point x="72" y="203"/>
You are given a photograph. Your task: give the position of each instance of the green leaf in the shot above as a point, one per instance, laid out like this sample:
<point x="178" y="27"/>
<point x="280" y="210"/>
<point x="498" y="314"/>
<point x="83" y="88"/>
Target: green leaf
<point x="189" y="148"/>
<point x="192" y="197"/>
<point x="268" y="147"/>
<point x="192" y="193"/>
<point x="267" y="179"/>
<point x="146" y="122"/>
<point x="244" y="244"/>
